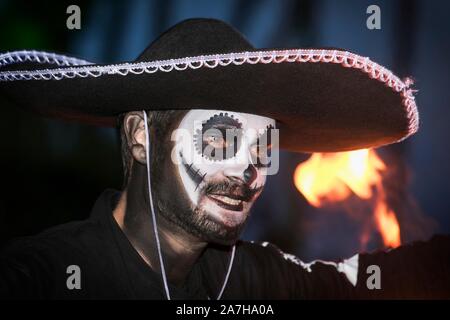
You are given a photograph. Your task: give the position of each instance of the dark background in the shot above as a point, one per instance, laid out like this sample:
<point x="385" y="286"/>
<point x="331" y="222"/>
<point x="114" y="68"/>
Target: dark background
<point x="52" y="172"/>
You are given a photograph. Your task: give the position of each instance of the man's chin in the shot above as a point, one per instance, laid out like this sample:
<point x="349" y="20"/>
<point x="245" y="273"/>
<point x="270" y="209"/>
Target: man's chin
<point x="214" y="223"/>
<point x="225" y="237"/>
<point x="223" y="231"/>
<point x="214" y="228"/>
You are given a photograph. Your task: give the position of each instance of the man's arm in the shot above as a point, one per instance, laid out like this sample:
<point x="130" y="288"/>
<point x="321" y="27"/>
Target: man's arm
<point x="420" y="270"/>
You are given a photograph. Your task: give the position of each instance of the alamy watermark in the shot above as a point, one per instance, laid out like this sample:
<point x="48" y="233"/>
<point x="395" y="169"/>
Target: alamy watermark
<point x="73" y="281"/>
<point x="374" y="280"/>
<point x="373" y="21"/>
<point x="74" y="19"/>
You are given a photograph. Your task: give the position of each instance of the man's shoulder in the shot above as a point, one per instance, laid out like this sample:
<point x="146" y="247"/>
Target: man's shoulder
<point x="265" y="251"/>
<point x="260" y="252"/>
<point x="42" y="263"/>
<point x="261" y="270"/>
<point x="72" y="237"/>
<point x="257" y="247"/>
<point x="74" y="231"/>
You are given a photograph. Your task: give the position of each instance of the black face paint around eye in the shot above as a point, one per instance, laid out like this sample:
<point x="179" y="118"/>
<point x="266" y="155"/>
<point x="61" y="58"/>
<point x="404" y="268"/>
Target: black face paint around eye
<point x="219" y="138"/>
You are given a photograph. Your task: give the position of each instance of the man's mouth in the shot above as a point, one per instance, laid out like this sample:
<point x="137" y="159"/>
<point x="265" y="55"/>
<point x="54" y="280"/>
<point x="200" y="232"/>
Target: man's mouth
<point x="229" y="202"/>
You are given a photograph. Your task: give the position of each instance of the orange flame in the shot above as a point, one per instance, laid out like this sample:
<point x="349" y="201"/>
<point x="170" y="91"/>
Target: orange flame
<point x="332" y="177"/>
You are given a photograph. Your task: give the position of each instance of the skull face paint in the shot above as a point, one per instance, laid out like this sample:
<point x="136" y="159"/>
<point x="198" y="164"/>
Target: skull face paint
<point x="222" y="160"/>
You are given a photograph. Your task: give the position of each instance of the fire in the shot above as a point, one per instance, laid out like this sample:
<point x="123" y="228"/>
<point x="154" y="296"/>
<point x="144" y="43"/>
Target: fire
<point x="333" y="177"/>
<point x="388" y="225"/>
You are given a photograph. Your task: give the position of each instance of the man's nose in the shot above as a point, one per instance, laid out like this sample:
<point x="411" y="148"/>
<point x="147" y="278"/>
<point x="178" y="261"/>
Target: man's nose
<point x="248" y="175"/>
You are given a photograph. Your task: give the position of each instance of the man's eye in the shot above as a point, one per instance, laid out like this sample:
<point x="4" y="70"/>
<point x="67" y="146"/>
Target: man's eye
<point x="220" y="143"/>
<point x="261" y="155"/>
<point x="216" y="141"/>
<point x="220" y="137"/>
<point x="261" y="150"/>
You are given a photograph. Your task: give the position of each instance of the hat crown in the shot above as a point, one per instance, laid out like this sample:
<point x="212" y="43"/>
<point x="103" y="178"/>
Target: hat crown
<point x="196" y="37"/>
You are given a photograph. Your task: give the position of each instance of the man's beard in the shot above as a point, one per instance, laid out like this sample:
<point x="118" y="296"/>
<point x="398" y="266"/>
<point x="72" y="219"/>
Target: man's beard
<point x="197" y="221"/>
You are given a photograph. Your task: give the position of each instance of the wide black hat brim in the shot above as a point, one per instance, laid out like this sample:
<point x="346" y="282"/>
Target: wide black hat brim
<point x="327" y="102"/>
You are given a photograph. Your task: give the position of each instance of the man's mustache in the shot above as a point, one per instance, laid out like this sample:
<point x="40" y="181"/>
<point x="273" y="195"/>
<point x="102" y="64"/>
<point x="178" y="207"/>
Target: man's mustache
<point x="236" y="190"/>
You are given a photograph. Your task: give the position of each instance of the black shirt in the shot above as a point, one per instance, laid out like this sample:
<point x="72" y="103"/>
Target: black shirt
<point x="110" y="268"/>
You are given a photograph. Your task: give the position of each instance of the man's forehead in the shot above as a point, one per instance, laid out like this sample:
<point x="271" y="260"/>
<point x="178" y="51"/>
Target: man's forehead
<point x="197" y="117"/>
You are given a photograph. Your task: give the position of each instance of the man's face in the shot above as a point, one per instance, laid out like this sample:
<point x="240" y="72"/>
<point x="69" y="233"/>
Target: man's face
<point x="221" y="160"/>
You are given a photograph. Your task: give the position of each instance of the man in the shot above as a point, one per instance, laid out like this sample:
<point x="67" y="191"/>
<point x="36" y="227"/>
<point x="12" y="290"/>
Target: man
<point x="199" y="112"/>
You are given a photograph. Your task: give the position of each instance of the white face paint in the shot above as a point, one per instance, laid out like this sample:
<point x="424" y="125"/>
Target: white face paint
<point x="213" y="147"/>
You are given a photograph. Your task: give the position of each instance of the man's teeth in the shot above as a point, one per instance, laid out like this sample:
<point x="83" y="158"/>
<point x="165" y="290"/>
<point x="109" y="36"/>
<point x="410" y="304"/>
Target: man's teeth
<point x="227" y="200"/>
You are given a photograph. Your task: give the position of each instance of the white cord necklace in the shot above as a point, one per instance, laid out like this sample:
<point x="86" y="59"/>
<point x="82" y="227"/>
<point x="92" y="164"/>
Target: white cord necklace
<point x="155" y="228"/>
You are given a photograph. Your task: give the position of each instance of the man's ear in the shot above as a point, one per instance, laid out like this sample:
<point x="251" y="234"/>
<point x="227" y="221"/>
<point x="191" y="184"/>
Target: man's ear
<point x="135" y="132"/>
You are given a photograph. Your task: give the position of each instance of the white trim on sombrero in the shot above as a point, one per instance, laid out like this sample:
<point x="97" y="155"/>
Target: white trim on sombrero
<point x="80" y="68"/>
<point x="40" y="57"/>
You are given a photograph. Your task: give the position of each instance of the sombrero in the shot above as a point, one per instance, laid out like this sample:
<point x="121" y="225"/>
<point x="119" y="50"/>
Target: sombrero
<point x="325" y="100"/>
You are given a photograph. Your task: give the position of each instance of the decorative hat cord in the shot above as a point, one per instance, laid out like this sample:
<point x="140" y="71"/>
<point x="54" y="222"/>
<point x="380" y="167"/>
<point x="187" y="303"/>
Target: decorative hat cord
<point x="155" y="228"/>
